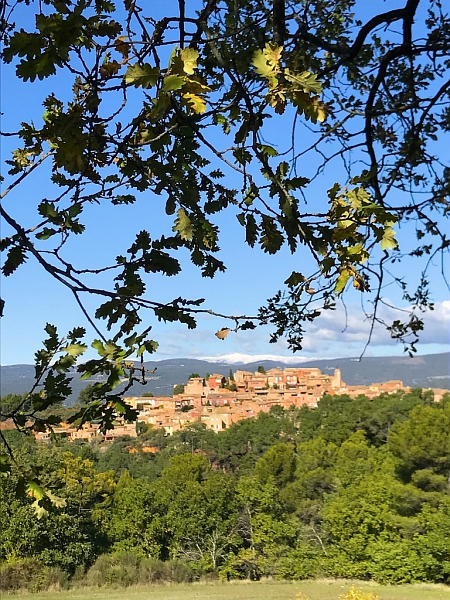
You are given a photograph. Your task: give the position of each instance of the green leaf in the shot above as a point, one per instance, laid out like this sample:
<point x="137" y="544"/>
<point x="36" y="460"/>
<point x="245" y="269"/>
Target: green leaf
<point x="241" y="218"/>
<point x="151" y="346"/>
<point x="34" y="490"/>
<point x="306" y="81"/>
<point x="75" y="349"/>
<point x="48" y="210"/>
<point x="123" y="199"/>
<point x="251" y="231"/>
<point x="15" y="257"/>
<point x="98" y="345"/>
<point x="75" y="210"/>
<point x="124" y="409"/>
<point x="170" y="205"/>
<point x="271" y="238"/>
<point x="46" y="233"/>
<point x="282" y="169"/>
<point x="242" y="155"/>
<point x="296" y="183"/>
<point x="144" y="76"/>
<point x="173" y="82"/>
<point x="114" y="376"/>
<point x="268" y="150"/>
<point x="295" y="279"/>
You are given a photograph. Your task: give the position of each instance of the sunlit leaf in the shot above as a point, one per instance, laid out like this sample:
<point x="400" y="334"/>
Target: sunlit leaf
<point x="189" y="56"/>
<point x="144" y="76"/>
<point x="222" y="333"/>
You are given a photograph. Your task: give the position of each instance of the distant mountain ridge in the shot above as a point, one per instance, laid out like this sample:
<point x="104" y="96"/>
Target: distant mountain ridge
<point x="430" y="370"/>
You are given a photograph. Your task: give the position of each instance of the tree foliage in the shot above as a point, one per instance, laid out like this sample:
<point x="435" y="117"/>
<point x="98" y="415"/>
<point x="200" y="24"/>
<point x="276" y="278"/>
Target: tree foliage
<point x="180" y="107"/>
<point x="288" y="509"/>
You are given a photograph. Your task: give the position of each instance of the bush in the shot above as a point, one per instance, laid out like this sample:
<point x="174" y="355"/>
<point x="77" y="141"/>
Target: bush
<point x="155" y="571"/>
<point x="17" y="575"/>
<point x="29" y="574"/>
<point x="302" y="562"/>
<point x="403" y="562"/>
<point x="121" y="569"/>
<point x="126" y="568"/>
<point x="51" y="579"/>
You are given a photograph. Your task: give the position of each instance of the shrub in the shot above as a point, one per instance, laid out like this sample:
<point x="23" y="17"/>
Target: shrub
<point x="51" y="579"/>
<point x="17" y="575"/>
<point x="300" y="563"/>
<point x="153" y="571"/>
<point x="126" y="568"/>
<point x="121" y="569"/>
<point x="401" y="562"/>
<point x="177" y="572"/>
<point x="29" y="574"/>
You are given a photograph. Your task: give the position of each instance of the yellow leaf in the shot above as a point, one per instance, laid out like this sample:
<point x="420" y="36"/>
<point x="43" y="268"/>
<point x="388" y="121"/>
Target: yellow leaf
<point x="196" y="103"/>
<point x="222" y="334"/>
<point x="388" y="241"/>
<point x="195" y="85"/>
<point x="260" y="64"/>
<point x="189" y="56"/>
<point x="56" y="500"/>
<point x="358" y="282"/>
<point x="39" y="510"/>
<point x="267" y="61"/>
<point x="321" y="112"/>
<point x="273" y="53"/>
<point x="277" y="100"/>
<point x="341" y="282"/>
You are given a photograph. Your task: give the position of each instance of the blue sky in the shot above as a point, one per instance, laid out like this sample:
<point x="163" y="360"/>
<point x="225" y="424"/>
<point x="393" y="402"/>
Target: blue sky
<point x="33" y="298"/>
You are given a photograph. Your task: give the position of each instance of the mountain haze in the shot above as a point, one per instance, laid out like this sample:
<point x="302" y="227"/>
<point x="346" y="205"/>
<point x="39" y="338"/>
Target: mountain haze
<point x="431" y="370"/>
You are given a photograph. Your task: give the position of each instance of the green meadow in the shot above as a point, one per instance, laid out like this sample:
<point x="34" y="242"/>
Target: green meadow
<point x="269" y="590"/>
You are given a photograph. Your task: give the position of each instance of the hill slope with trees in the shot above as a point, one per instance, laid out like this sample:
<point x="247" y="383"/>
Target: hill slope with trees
<point x="430" y="370"/>
<point x="353" y="488"/>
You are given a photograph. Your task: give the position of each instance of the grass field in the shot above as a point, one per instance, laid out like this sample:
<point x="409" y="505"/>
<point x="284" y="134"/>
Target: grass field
<point x="267" y="590"/>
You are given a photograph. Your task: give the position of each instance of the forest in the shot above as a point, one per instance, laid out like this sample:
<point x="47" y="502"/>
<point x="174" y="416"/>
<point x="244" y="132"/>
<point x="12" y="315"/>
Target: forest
<point x="300" y="145"/>
<point x="353" y="488"/>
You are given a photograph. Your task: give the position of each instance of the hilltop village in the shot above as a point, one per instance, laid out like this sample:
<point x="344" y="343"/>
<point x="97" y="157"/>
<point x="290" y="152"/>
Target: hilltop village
<point x="218" y="401"/>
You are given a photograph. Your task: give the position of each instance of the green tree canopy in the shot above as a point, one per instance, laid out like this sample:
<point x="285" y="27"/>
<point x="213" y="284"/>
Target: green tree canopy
<point x="86" y="395"/>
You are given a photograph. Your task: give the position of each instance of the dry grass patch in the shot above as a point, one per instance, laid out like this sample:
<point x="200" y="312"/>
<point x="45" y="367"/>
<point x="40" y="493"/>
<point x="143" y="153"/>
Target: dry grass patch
<point x="261" y="590"/>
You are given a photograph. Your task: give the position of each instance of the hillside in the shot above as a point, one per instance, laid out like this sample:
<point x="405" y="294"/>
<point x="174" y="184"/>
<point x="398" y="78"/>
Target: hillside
<point x="432" y="370"/>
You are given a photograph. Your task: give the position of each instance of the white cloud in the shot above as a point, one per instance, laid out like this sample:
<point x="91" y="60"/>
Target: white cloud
<point x="334" y="334"/>
<point x="349" y="331"/>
